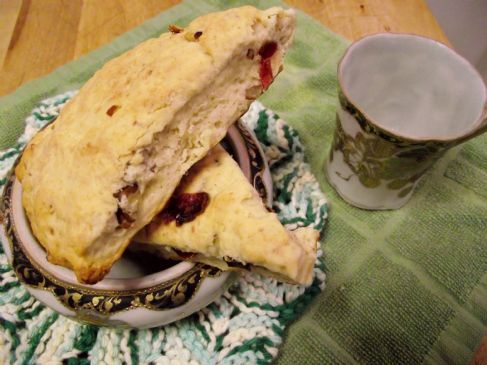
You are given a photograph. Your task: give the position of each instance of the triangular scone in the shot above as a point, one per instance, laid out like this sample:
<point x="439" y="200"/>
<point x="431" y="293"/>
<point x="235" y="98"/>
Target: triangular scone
<point x="117" y="151"/>
<point x="235" y="230"/>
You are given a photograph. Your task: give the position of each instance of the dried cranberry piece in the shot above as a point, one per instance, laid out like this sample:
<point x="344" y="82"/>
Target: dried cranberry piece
<point x="124" y="220"/>
<point x="112" y="110"/>
<point x="265" y="72"/>
<point x="126" y="190"/>
<point x="268" y="50"/>
<point x="184" y="208"/>
<point x="189" y="205"/>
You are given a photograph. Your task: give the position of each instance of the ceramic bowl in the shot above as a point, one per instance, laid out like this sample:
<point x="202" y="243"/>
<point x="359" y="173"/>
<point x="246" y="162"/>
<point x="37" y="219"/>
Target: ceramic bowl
<point x="139" y="291"/>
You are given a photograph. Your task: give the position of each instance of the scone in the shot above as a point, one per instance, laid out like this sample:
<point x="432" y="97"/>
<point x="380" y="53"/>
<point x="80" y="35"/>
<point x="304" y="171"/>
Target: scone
<point x="114" y="156"/>
<point x="229" y="227"/>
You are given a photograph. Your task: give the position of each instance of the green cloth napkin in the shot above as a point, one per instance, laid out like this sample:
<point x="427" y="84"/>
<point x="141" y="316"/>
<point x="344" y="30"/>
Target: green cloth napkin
<point x="404" y="287"/>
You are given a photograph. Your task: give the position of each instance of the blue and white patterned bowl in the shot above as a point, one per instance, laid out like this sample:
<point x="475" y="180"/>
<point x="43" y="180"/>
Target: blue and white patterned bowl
<point x="140" y="292"/>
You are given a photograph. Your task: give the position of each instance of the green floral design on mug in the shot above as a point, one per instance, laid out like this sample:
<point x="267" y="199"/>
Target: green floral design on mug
<point x="375" y="160"/>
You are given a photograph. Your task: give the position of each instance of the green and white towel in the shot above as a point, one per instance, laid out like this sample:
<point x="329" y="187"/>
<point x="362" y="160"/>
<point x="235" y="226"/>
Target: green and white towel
<point x="244" y="326"/>
<point x="403" y="287"/>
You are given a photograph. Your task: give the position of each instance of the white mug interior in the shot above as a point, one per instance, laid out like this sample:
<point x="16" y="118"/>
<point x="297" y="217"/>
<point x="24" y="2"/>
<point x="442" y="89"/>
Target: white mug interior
<point x="413" y="86"/>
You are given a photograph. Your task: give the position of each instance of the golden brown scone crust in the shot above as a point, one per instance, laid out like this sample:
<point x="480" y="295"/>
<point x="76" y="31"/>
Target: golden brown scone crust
<point x="142" y="120"/>
<point x="235" y="225"/>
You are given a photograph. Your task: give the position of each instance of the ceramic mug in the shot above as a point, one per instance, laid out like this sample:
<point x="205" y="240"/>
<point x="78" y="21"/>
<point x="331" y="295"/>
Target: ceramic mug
<point x="403" y="101"/>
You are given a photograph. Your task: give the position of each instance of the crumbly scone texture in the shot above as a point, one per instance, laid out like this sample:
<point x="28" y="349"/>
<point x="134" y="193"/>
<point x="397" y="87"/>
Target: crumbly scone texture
<point x="235" y="227"/>
<point x="117" y="151"/>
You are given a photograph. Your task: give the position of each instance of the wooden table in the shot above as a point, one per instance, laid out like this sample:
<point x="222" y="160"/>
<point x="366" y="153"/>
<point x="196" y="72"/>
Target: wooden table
<point x="36" y="36"/>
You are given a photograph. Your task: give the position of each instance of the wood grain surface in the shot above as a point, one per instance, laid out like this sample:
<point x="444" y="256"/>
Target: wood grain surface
<point x="36" y="36"/>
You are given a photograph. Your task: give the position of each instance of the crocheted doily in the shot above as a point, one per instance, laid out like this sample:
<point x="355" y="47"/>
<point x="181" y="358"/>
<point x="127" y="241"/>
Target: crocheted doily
<point x="244" y="326"/>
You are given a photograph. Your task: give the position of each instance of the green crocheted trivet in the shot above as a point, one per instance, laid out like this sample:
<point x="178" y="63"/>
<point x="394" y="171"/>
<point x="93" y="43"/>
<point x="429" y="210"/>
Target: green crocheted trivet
<point x="244" y="326"/>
